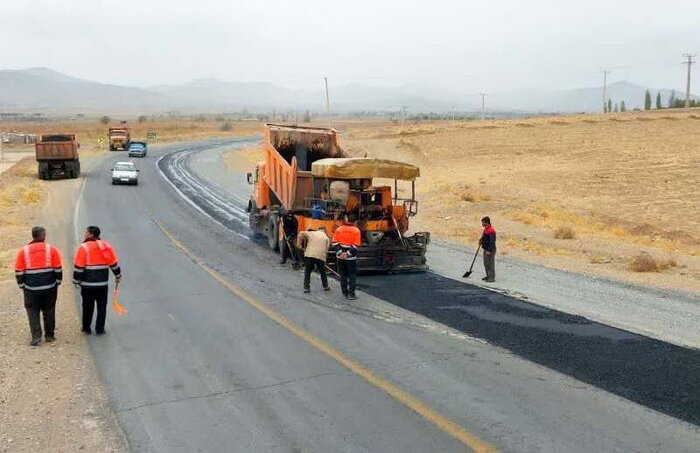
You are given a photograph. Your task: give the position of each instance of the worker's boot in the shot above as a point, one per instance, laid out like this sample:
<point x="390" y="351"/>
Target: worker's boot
<point x="352" y="296"/>
<point x="50" y="338"/>
<point x="35" y="341"/>
<point x="307" y="290"/>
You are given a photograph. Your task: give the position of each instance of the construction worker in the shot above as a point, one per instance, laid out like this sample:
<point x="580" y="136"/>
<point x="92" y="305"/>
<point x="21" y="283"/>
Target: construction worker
<point x="93" y="260"/>
<point x="346" y="240"/>
<point x="315" y="245"/>
<point x="488" y="243"/>
<point x="289" y="232"/>
<point x="38" y="272"/>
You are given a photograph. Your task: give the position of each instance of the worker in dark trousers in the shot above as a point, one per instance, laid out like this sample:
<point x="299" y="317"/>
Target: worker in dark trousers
<point x="315" y="245"/>
<point x="93" y="261"/>
<point x="38" y="272"/>
<point x="289" y="227"/>
<point x="346" y="241"/>
<point x="488" y="243"/>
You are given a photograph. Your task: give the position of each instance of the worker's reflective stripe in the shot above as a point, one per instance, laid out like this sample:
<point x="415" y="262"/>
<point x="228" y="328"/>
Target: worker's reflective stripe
<point x="39" y="288"/>
<point x="95" y="268"/>
<point x="18" y="273"/>
<point x="39" y="271"/>
<point x="104" y="283"/>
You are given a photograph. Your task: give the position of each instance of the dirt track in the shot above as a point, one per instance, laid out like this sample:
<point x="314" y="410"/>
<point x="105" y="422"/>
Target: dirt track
<point x="51" y="398"/>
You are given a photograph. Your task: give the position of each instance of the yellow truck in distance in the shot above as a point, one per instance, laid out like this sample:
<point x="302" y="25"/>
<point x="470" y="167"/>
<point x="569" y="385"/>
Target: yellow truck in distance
<point x="119" y="138"/>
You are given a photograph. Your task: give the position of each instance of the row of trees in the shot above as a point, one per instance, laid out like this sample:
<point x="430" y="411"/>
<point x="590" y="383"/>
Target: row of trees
<point x="673" y="102"/>
<point x="608" y="107"/>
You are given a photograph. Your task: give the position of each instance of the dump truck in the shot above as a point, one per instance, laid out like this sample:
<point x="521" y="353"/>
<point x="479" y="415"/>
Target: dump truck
<point x="306" y="172"/>
<point x="119" y="138"/>
<point x="57" y="156"/>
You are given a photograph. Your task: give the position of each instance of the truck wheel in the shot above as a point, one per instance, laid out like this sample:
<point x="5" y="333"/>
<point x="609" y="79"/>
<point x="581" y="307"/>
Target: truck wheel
<point x="273" y="232"/>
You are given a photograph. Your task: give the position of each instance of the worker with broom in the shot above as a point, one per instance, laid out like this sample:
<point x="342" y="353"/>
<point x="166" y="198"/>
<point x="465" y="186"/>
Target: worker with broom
<point x="488" y="243"/>
<point x="290" y="226"/>
<point x="315" y="244"/>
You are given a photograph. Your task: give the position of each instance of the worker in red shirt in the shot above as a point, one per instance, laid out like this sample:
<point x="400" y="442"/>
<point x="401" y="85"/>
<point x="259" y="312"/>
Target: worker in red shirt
<point x="488" y="243"/>
<point x="38" y="272"/>
<point x="346" y="242"/>
<point x="93" y="261"/>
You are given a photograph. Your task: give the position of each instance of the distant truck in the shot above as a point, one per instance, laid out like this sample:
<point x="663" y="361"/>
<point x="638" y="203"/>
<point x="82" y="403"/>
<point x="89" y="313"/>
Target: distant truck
<point x="57" y="155"/>
<point x="119" y="138"/>
<point x="307" y="173"/>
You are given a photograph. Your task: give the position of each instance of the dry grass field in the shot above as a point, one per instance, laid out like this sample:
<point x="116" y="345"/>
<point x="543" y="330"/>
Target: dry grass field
<point x="89" y="132"/>
<point x="602" y="194"/>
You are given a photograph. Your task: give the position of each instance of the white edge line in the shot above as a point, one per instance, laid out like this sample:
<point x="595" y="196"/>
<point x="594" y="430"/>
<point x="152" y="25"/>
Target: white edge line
<point x="192" y="203"/>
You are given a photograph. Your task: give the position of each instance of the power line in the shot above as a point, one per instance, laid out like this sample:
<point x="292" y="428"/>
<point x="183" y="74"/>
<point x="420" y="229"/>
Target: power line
<point x="690" y="61"/>
<point x="328" y="102"/>
<point x="483" y="105"/>
<point x="605" y="89"/>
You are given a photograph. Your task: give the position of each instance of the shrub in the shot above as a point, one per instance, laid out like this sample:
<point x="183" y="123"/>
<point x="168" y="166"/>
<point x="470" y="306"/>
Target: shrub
<point x="142" y="119"/>
<point x="226" y="126"/>
<point x="643" y="262"/>
<point x="105" y="119"/>
<point x="564" y="232"/>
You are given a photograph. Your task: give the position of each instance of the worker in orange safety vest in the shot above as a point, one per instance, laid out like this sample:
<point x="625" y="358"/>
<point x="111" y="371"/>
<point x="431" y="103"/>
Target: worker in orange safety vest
<point x="346" y="242"/>
<point x="38" y="272"/>
<point x="93" y="261"/>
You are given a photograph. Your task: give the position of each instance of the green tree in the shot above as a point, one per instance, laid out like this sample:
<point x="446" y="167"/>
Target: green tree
<point x="623" y="107"/>
<point x="658" y="101"/>
<point x="616" y="108"/>
<point x="609" y="105"/>
<point x="227" y="126"/>
<point x="307" y="117"/>
<point x="142" y="119"/>
<point x="105" y="119"/>
<point x="672" y="99"/>
<point x="647" y="100"/>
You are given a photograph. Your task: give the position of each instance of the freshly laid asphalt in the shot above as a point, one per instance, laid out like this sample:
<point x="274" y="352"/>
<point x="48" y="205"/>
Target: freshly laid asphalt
<point x="194" y="367"/>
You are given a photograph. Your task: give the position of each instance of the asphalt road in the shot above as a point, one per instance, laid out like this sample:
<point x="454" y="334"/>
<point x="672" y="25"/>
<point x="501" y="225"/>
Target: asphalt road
<point x="200" y="363"/>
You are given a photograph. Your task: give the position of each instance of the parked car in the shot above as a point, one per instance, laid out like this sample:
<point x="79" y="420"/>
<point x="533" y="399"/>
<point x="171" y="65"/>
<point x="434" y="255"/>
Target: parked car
<point x="138" y="149"/>
<point x="125" y="173"/>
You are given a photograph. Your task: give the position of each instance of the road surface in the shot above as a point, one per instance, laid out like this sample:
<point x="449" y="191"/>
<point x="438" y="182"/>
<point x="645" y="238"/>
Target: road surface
<point x="221" y="351"/>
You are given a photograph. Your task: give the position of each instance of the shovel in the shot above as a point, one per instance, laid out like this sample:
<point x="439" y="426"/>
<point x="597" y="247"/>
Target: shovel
<point x="469" y="272"/>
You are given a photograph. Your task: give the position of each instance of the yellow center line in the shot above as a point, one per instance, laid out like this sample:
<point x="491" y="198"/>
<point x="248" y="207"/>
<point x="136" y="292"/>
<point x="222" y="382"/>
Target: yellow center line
<point x="392" y="390"/>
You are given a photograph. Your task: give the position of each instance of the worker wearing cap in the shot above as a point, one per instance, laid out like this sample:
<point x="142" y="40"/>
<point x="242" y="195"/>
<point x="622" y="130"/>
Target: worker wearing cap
<point x="488" y="243"/>
<point x="346" y="241"/>
<point x="315" y="245"/>
<point x="38" y="272"/>
<point x="93" y="261"/>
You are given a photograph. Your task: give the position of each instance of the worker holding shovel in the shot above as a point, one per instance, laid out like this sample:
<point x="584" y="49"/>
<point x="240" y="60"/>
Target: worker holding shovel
<point x="290" y="226"/>
<point x="488" y="243"/>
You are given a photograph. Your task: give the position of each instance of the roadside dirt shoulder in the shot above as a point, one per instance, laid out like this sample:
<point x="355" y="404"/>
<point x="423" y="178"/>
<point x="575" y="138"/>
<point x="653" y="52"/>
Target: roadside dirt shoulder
<point x="51" y="398"/>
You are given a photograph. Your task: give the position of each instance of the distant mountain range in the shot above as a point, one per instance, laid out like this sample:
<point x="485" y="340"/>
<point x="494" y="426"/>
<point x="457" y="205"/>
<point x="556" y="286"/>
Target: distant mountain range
<point x="45" y="90"/>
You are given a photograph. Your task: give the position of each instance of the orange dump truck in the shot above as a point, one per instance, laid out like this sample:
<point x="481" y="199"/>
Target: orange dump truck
<point x="119" y="138"/>
<point x="57" y="155"/>
<point x="306" y="172"/>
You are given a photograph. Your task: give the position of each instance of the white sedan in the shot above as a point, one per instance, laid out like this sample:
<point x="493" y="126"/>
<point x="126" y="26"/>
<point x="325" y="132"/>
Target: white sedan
<point x="125" y="173"/>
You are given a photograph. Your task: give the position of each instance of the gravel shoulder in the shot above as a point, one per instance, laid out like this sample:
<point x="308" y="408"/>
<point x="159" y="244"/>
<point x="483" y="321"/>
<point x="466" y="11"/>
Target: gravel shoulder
<point x="51" y="397"/>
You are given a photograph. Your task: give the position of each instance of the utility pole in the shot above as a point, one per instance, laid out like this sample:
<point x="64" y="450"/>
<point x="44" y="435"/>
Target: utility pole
<point x="328" y="102"/>
<point x="483" y="105"/>
<point x="690" y="61"/>
<point x="605" y="88"/>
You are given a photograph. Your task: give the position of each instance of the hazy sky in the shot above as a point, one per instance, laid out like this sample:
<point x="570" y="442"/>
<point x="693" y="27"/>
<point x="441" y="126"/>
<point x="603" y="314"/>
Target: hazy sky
<point x="457" y="44"/>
